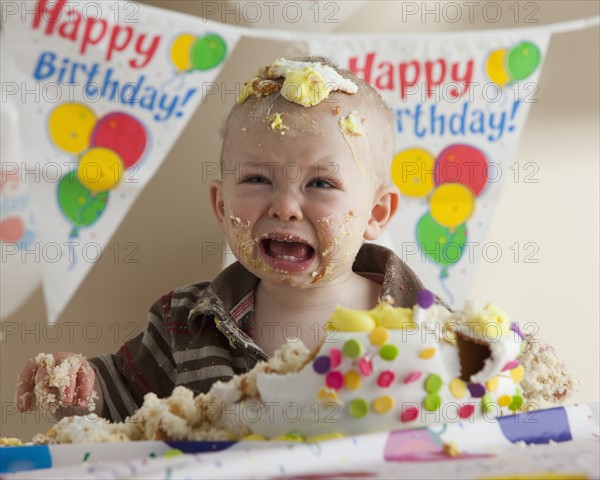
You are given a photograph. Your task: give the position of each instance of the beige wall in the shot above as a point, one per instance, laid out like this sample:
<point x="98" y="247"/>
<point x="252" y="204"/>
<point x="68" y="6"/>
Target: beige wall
<point x="171" y="222"/>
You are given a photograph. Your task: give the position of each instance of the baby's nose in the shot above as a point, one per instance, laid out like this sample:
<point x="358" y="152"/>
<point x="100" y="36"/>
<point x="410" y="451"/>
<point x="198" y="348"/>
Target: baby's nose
<point x="285" y="207"/>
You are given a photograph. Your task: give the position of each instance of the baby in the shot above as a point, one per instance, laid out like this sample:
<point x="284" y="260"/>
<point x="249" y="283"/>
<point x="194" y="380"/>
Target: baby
<point x="304" y="182"/>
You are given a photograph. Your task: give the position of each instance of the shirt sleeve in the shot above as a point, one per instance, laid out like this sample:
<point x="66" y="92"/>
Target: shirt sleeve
<point x="142" y="365"/>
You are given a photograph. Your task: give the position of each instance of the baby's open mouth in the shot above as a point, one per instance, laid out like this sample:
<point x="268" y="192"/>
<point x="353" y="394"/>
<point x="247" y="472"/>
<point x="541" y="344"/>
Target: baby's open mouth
<point x="288" y="253"/>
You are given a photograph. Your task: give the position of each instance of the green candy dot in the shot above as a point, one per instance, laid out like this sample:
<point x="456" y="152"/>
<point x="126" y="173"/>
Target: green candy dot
<point x="432" y="402"/>
<point x="352" y="348"/>
<point x="358" y="408"/>
<point x="516" y="404"/>
<point x="388" y="352"/>
<point x="433" y="383"/>
<point x="487" y="403"/>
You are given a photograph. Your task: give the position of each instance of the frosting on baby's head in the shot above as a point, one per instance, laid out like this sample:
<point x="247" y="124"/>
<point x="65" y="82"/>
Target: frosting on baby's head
<point x="298" y="96"/>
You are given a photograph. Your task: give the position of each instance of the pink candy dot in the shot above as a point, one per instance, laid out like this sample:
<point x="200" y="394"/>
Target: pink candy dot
<point x="510" y="365"/>
<point x="385" y="378"/>
<point x="412" y="377"/>
<point x="466" y="411"/>
<point x="335" y="354"/>
<point x="409" y="414"/>
<point x="365" y="367"/>
<point x="334" y="380"/>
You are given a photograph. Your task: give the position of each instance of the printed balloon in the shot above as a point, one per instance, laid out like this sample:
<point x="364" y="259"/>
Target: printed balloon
<point x="100" y="169"/>
<point x="208" y="52"/>
<point x="122" y="133"/>
<point x="70" y="126"/>
<point x="495" y="67"/>
<point x="462" y="164"/>
<point x="523" y="59"/>
<point x="451" y="204"/>
<point x="11" y="229"/>
<point x="81" y="206"/>
<point x="437" y="242"/>
<point x="412" y="172"/>
<point x="181" y="52"/>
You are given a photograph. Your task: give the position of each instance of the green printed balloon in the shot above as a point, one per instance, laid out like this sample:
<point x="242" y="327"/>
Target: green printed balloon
<point x="81" y="206"/>
<point x="443" y="246"/>
<point x="208" y="51"/>
<point x="522" y="60"/>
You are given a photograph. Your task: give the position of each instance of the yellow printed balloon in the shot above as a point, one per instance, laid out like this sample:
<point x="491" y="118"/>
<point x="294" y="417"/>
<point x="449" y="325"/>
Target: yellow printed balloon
<point x="495" y="67"/>
<point x="100" y="169"/>
<point x="412" y="172"/>
<point x="451" y="204"/>
<point x="180" y="52"/>
<point x="70" y="126"/>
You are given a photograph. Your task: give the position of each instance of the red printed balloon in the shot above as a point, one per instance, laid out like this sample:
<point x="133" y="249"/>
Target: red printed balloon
<point x="11" y="229"/>
<point x="122" y="133"/>
<point x="462" y="164"/>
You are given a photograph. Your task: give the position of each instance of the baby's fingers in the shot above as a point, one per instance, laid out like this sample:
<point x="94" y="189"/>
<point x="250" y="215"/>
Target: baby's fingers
<point x="25" y="386"/>
<point x="86" y="378"/>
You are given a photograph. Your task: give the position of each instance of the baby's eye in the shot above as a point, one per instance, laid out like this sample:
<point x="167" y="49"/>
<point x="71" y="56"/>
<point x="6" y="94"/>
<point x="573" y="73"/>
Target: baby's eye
<point x="320" y="183"/>
<point x="256" y="179"/>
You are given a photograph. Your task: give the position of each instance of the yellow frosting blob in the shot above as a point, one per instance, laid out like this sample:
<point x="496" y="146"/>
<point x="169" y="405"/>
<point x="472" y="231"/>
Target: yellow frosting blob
<point x="346" y="320"/>
<point x="246" y="91"/>
<point x="394" y="318"/>
<point x="491" y="322"/>
<point x="305" y="86"/>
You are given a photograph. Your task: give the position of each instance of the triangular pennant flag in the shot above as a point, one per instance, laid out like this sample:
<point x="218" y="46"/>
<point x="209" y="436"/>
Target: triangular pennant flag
<point x="460" y="103"/>
<point x="104" y="90"/>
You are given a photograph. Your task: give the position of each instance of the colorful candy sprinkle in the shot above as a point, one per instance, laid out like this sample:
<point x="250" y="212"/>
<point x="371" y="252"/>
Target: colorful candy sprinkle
<point x="517" y="374"/>
<point x="365" y="367"/>
<point x="409" y="414"/>
<point x="516" y="404"/>
<point x="352" y="380"/>
<point x="477" y="390"/>
<point x="504" y="400"/>
<point x="466" y="410"/>
<point x="510" y="365"/>
<point x="358" y="407"/>
<point x="433" y="383"/>
<point x="327" y="394"/>
<point x="385" y="378"/>
<point x="515" y="328"/>
<point x="492" y="385"/>
<point x="352" y="348"/>
<point x="486" y="403"/>
<point x="383" y="404"/>
<point x="457" y="387"/>
<point x="379" y="335"/>
<point x="335" y="380"/>
<point x="432" y="402"/>
<point x="388" y="352"/>
<point x="335" y="355"/>
<point x="322" y="365"/>
<point x="425" y="298"/>
<point x="427" y="353"/>
<point x="412" y="377"/>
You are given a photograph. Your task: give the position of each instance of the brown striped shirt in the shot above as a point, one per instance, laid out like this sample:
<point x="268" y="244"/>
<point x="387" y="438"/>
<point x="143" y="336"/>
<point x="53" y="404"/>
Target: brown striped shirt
<point x="202" y="333"/>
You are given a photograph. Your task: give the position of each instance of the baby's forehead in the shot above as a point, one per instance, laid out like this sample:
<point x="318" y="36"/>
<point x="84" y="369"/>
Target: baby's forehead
<point x="275" y="113"/>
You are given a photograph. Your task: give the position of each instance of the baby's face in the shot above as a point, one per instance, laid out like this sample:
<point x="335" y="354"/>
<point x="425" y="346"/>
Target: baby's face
<point x="295" y="199"/>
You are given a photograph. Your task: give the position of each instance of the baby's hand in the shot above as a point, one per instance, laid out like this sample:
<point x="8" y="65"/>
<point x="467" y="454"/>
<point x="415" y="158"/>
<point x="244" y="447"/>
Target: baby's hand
<point x="51" y="381"/>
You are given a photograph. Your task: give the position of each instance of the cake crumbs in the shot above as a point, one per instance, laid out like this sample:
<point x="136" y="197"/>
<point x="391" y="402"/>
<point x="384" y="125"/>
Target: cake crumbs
<point x="451" y="449"/>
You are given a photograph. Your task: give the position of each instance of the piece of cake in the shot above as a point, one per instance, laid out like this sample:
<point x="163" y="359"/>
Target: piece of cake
<point x="383" y="369"/>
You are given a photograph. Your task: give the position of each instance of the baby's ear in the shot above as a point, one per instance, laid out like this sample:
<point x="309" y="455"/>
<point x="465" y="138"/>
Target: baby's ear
<point x="216" y="200"/>
<point x="385" y="205"/>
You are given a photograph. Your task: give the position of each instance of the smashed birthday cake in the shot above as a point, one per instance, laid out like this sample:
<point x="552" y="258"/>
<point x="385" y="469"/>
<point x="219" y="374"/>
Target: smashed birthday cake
<point x="382" y="369"/>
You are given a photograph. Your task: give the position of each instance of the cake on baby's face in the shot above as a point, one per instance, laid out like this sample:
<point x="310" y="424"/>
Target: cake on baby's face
<point x="391" y="368"/>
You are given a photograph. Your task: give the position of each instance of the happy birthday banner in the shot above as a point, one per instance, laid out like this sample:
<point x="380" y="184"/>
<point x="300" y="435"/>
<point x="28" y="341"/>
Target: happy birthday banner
<point x="103" y="90"/>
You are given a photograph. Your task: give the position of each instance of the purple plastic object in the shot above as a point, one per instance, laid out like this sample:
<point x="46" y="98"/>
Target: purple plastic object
<point x="477" y="390"/>
<point x="322" y="365"/>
